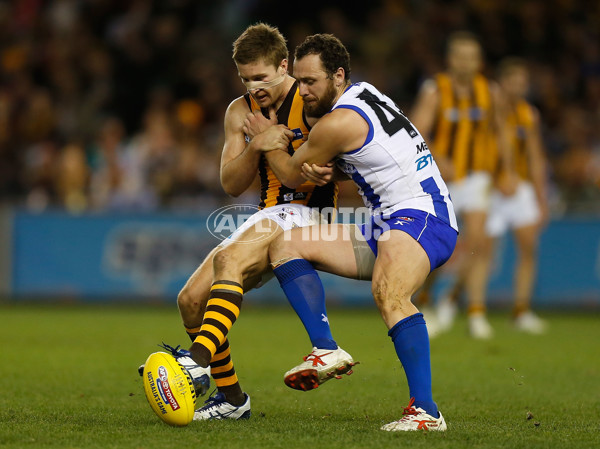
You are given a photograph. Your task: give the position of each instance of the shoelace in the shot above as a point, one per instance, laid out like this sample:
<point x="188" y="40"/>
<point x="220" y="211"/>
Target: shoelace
<point x="215" y="400"/>
<point x="409" y="411"/>
<point x="175" y="352"/>
<point x="316" y="359"/>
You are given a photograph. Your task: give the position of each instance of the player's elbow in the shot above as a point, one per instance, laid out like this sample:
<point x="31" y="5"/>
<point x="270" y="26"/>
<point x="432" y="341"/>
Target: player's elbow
<point x="232" y="191"/>
<point x="232" y="188"/>
<point x="292" y="182"/>
<point x="291" y="175"/>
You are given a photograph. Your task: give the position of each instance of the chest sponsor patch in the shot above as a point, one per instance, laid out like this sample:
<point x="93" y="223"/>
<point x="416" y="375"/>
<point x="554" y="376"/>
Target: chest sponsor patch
<point x="297" y="134"/>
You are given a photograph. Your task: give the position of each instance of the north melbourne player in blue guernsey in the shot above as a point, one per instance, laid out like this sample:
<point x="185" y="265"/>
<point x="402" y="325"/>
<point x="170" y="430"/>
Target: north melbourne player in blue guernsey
<point x="412" y="228"/>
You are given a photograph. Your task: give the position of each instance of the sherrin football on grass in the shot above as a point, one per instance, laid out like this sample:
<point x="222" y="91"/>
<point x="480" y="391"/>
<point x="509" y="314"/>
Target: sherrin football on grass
<point x="169" y="389"/>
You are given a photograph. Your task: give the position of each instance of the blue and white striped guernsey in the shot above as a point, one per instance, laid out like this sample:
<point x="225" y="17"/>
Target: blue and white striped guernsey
<point x="394" y="168"/>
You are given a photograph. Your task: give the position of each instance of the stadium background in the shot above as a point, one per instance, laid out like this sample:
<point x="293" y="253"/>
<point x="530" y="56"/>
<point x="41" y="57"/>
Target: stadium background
<point x="111" y="129"/>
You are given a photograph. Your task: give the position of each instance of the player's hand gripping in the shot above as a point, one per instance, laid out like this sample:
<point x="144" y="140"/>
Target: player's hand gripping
<point x="267" y="135"/>
<point x="318" y="174"/>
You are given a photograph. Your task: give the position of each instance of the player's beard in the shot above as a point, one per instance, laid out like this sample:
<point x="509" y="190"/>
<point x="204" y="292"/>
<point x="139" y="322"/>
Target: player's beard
<point x="323" y="105"/>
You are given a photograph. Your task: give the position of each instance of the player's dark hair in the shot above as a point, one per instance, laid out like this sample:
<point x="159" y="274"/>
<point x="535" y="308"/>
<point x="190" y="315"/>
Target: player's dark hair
<point x="260" y="41"/>
<point x="332" y="52"/>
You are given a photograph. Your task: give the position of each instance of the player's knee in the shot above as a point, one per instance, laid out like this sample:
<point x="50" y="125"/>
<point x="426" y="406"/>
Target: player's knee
<point x="191" y="306"/>
<point x="390" y="298"/>
<point x="185" y="300"/>
<point x="281" y="250"/>
<point x="379" y="291"/>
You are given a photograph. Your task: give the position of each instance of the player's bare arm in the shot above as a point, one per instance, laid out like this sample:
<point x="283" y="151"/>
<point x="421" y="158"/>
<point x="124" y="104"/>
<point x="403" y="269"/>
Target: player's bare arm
<point x="507" y="181"/>
<point x="537" y="164"/>
<point x="423" y="113"/>
<point x="266" y="134"/>
<point x="340" y="131"/>
<point x="323" y="174"/>
<point x="239" y="161"/>
<point x="422" y="117"/>
<point x="256" y="123"/>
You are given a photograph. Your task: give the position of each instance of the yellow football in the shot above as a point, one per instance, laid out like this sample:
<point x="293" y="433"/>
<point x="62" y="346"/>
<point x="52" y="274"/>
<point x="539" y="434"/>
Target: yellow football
<point x="169" y="389"/>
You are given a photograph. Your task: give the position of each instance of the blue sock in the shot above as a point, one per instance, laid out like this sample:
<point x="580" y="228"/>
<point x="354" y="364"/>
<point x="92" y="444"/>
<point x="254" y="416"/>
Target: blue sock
<point x="411" y="341"/>
<point x="304" y="290"/>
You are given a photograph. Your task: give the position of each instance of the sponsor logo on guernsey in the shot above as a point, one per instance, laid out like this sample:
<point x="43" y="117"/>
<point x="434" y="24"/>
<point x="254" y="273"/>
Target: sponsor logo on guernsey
<point x="291" y="196"/>
<point x="165" y="389"/>
<point x="422" y="147"/>
<point x="297" y="134"/>
<point x="454" y="114"/>
<point x="475" y="113"/>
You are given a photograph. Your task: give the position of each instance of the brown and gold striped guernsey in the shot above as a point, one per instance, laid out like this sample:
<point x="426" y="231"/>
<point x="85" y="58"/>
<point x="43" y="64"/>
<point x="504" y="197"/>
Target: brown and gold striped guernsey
<point x="272" y="192"/>
<point x="520" y="123"/>
<point x="462" y="131"/>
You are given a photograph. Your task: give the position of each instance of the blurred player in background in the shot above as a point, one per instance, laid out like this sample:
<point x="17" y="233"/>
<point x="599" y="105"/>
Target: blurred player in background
<point x="459" y="112"/>
<point x="412" y="227"/>
<point x="526" y="210"/>
<point x="210" y="301"/>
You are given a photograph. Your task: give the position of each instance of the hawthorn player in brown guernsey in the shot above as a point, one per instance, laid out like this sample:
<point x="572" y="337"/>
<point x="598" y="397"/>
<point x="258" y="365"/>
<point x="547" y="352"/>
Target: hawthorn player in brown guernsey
<point x="525" y="211"/>
<point x="459" y="112"/>
<point x="210" y="301"/>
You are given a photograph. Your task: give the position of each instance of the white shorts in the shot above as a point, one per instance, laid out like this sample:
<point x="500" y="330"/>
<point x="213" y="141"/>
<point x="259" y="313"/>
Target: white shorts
<point x="512" y="212"/>
<point x="286" y="216"/>
<point x="472" y="193"/>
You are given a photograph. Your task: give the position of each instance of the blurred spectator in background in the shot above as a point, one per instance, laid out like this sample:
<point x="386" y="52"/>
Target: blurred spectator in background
<point x="67" y="65"/>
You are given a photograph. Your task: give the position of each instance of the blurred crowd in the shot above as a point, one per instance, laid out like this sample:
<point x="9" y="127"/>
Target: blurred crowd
<point x="119" y="105"/>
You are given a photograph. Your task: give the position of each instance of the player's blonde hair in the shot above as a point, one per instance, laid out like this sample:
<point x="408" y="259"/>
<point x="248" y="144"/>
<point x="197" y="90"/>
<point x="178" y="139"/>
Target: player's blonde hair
<point x="260" y="42"/>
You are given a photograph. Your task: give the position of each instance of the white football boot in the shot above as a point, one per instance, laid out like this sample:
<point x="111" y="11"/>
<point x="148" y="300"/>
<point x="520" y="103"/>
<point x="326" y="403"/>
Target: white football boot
<point x="200" y="375"/>
<point x="479" y="327"/>
<point x="416" y="419"/>
<point x="530" y="322"/>
<point x="217" y="407"/>
<point x="318" y="367"/>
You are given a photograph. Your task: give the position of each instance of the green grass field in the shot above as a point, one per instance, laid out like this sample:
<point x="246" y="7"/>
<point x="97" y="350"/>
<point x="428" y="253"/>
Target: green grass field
<point x="68" y="379"/>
